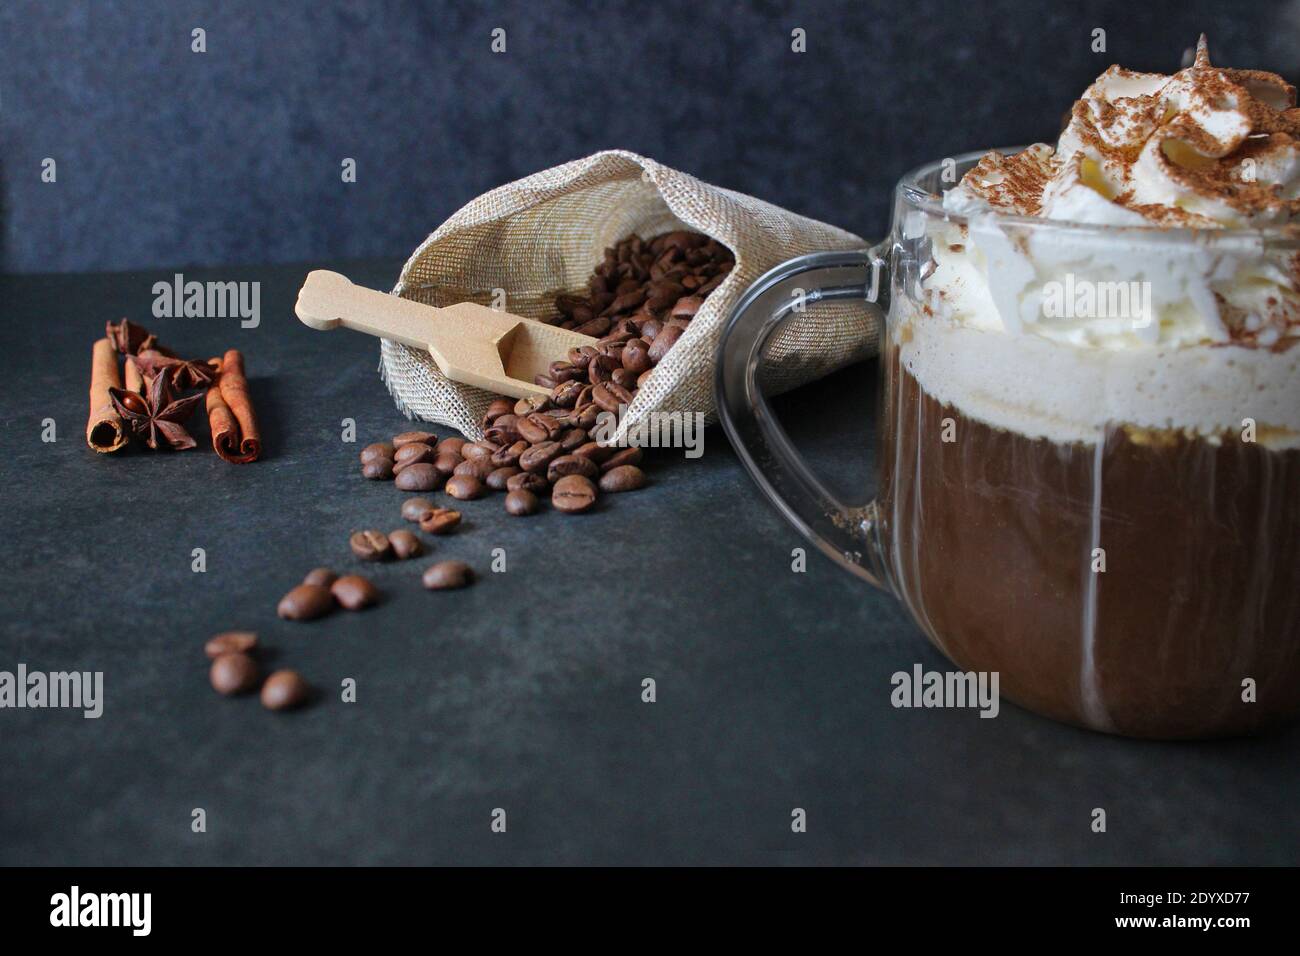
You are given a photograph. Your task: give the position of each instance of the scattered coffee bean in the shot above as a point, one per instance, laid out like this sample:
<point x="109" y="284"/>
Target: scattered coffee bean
<point x="371" y="545"/>
<point x="499" y="477"/>
<point x="378" y="469"/>
<point x="413" y="509"/>
<point x="452" y="445"/>
<point x="446" y="575"/>
<point x="355" y="592"/>
<point x="464" y="487"/>
<point x="573" y="494"/>
<point x="571" y="465"/>
<point x="284" y="690"/>
<point x="405" y="544"/>
<point x="380" y="449"/>
<point x="622" y="478"/>
<point x="665" y="340"/>
<point x="306" y="602"/>
<point x="440" y="521"/>
<point x="522" y="502"/>
<point x="230" y="642"/>
<point x="413" y="438"/>
<point x="419" y="477"/>
<point x="233" y="673"/>
<point x="528" y="481"/>
<point x="322" y="576"/>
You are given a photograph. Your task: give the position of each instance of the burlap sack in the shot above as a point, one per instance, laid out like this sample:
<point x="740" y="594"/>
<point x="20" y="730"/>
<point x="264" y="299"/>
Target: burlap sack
<point x="542" y="236"/>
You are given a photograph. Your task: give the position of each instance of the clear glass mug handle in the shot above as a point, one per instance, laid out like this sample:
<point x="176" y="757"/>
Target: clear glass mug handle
<point x="847" y="532"/>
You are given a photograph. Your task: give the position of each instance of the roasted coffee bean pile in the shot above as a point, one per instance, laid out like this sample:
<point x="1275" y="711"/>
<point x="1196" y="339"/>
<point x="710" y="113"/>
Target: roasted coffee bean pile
<point x="639" y="301"/>
<point x="234" y="671"/>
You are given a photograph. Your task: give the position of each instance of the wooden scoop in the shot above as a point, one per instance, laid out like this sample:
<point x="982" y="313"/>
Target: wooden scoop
<point x="470" y="343"/>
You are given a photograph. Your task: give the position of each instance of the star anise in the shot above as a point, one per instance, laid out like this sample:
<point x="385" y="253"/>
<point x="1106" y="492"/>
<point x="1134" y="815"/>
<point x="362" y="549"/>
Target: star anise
<point x="157" y="416"/>
<point x="185" y="374"/>
<point x="130" y="339"/>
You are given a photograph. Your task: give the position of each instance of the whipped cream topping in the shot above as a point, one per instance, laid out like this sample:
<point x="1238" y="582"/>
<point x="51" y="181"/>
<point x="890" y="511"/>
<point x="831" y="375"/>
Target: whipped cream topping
<point x="1207" y="147"/>
<point x="1154" y="159"/>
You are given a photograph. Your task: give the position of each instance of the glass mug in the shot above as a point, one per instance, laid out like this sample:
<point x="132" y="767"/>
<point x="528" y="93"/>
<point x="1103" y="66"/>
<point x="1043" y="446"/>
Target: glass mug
<point x="1115" y="531"/>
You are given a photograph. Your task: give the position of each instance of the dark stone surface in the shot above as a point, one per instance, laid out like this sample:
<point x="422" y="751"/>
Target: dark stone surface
<point x="171" y="157"/>
<point x="522" y="692"/>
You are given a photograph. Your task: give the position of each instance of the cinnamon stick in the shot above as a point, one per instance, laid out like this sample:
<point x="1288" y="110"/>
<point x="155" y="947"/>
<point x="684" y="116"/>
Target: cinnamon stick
<point x="134" y="377"/>
<point x="105" y="431"/>
<point x="235" y="436"/>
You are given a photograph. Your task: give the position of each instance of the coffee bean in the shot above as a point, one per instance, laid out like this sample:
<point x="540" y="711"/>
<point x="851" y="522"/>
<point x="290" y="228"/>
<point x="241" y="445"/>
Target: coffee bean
<point x="644" y="377"/>
<point x="624" y="456"/>
<point x="538" y="427"/>
<point x="413" y="438"/>
<point x="566" y="393"/>
<point x="571" y="465"/>
<point x="528" y="481"/>
<point x="284" y="690"/>
<point x="509" y="455"/>
<point x="413" y="509"/>
<point x="306" y="602"/>
<point x="499" y="407"/>
<point x="371" y="545"/>
<point x="464" y="487"/>
<point x="381" y="449"/>
<point x="452" y="445"/>
<point x="533" y="403"/>
<point x="573" y="494"/>
<point x="572" y="439"/>
<point x="610" y="396"/>
<point x="378" y="469"/>
<point x="539" y="456"/>
<point x="686" y="307"/>
<point x="503" y="431"/>
<point x="230" y="642"/>
<point x="405" y="544"/>
<point x="412" y="454"/>
<point x="622" y="478"/>
<point x="522" y="502"/>
<point x="446" y="462"/>
<point x="665" y="340"/>
<point x="322" y="576"/>
<point x="233" y="673"/>
<point x="636" y="356"/>
<point x="624" y="379"/>
<point x="446" y="575"/>
<point x="440" y="521"/>
<point x="476" y="449"/>
<point x="595" y="451"/>
<point x="478" y="468"/>
<point x="587" y="417"/>
<point x="497" y="479"/>
<point x="649" y="329"/>
<point x="355" y="592"/>
<point x="419" y="477"/>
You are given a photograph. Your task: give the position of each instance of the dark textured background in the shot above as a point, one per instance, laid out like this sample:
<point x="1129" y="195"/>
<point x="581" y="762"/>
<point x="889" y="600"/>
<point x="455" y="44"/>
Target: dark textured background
<point x="166" y="157"/>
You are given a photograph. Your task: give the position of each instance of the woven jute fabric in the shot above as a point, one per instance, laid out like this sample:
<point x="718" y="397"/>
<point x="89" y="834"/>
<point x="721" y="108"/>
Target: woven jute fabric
<point x="536" y="238"/>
